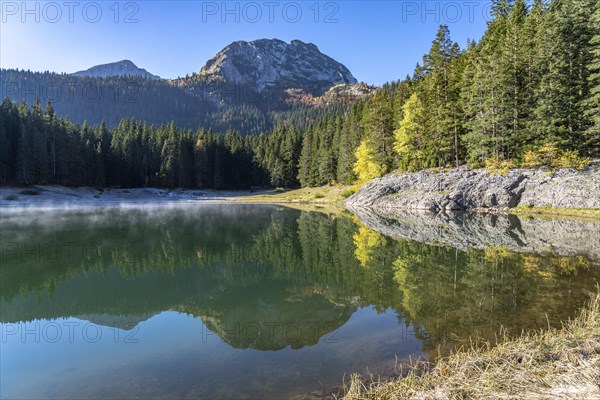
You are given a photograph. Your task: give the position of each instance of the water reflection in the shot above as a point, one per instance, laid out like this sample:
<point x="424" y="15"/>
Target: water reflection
<point x="251" y="301"/>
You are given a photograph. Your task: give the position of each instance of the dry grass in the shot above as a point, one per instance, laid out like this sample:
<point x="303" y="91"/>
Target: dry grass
<point x="554" y="364"/>
<point x="318" y="195"/>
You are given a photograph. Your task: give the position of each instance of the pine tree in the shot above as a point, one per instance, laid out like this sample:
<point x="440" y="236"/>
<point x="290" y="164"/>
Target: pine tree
<point x="378" y="126"/>
<point x="24" y="159"/>
<point x="532" y="72"/>
<point x="306" y="161"/>
<point x="346" y="158"/>
<point x="565" y="53"/>
<point x="593" y="101"/>
<point x="485" y="137"/>
<point x="326" y="155"/>
<point x="441" y="96"/>
<point x="512" y="77"/>
<point x="5" y="149"/>
<point x="168" y="168"/>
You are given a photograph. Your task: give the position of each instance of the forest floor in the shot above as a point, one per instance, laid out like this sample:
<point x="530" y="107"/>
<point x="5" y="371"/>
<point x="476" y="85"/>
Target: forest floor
<point x="554" y="364"/>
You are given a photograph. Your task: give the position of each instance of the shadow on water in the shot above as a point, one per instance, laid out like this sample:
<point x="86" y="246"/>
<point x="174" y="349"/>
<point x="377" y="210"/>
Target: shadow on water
<point x="264" y="301"/>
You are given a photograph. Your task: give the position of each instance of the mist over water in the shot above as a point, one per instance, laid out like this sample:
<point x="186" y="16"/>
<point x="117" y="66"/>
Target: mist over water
<point x="249" y="301"/>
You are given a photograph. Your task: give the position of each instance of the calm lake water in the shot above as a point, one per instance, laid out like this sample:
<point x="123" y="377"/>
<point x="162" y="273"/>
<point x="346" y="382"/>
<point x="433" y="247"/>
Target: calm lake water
<point x="231" y="301"/>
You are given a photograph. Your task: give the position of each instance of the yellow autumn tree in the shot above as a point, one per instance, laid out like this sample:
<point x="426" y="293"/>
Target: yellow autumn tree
<point x="367" y="167"/>
<point x="410" y="137"/>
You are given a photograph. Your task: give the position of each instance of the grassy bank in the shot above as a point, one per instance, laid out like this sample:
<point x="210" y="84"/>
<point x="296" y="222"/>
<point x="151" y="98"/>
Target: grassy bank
<point x="310" y="195"/>
<point x="554" y="364"/>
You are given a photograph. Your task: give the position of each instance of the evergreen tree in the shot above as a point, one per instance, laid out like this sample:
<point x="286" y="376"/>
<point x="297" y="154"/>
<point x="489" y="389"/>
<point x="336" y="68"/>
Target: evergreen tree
<point x="378" y="131"/>
<point x="327" y="160"/>
<point x="440" y="100"/>
<point x="564" y="42"/>
<point x="513" y="78"/>
<point x="592" y="104"/>
<point x="5" y="148"/>
<point x="486" y="137"/>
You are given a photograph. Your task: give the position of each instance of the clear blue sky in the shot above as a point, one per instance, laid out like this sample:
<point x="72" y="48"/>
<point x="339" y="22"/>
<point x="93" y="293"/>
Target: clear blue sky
<point x="378" y="41"/>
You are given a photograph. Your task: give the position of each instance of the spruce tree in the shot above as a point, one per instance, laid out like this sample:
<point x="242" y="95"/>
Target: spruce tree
<point x="439" y="99"/>
<point x="592" y="103"/>
<point x="565" y="53"/>
<point x="378" y="126"/>
<point x="306" y="159"/>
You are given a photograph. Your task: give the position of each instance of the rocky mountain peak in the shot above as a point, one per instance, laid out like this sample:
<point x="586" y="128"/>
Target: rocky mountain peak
<point x="272" y="63"/>
<point x="119" y="68"/>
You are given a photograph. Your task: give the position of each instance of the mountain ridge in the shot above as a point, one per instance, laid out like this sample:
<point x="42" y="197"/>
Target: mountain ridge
<point x="223" y="95"/>
<point x="123" y="68"/>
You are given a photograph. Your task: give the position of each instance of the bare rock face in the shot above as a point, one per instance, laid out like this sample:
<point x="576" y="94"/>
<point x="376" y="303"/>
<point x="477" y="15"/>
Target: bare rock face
<point x="464" y="189"/>
<point x="268" y="63"/>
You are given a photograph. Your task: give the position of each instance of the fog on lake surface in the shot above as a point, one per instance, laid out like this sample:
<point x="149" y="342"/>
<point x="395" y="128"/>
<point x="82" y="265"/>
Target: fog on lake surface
<point x="261" y="301"/>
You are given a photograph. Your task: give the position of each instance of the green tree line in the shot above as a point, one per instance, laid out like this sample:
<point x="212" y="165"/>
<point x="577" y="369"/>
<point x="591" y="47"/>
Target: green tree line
<point x="114" y="98"/>
<point x="529" y="89"/>
<point x="36" y="147"/>
<point x="527" y="93"/>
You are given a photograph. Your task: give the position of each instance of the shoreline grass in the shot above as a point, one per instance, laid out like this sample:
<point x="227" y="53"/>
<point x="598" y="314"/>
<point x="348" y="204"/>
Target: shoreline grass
<point x="310" y="195"/>
<point x="553" y="364"/>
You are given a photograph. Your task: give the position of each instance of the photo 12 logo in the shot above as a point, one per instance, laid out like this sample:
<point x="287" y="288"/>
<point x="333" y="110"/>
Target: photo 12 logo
<point x="53" y="12"/>
<point x="253" y="12"/>
<point x="67" y="331"/>
<point x="446" y="11"/>
<point x="72" y="91"/>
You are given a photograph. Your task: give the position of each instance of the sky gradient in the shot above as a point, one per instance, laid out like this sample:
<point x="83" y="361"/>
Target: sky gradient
<point x="379" y="41"/>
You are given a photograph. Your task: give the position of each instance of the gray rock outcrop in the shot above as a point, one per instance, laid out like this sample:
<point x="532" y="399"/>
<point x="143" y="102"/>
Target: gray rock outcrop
<point x="465" y="189"/>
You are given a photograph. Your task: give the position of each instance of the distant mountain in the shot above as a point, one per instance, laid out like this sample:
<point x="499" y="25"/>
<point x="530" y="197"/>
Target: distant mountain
<point x="246" y="86"/>
<point x="109" y="99"/>
<point x="271" y="62"/>
<point x="119" y="68"/>
<point x="264" y="71"/>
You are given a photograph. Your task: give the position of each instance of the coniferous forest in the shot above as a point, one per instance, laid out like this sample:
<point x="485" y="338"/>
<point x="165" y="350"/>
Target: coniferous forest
<point x="526" y="94"/>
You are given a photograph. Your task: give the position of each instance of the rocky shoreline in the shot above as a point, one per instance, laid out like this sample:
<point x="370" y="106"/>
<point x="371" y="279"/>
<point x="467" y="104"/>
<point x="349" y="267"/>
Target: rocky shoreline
<point x="466" y="189"/>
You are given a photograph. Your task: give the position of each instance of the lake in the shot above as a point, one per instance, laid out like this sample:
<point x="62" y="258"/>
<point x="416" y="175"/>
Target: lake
<point x="258" y="301"/>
